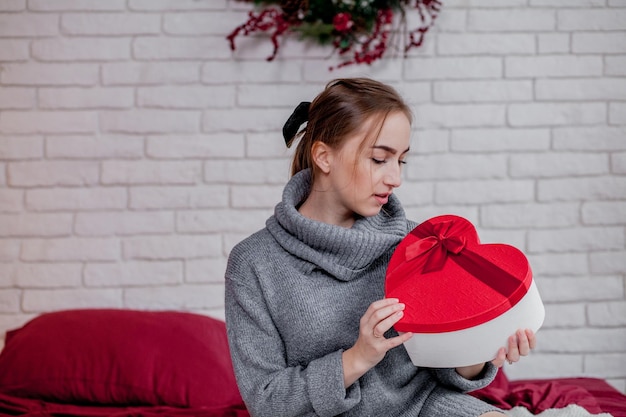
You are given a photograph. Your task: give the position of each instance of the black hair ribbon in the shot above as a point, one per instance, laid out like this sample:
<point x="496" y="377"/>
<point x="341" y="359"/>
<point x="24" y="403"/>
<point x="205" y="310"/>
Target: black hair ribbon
<point x="297" y="118"/>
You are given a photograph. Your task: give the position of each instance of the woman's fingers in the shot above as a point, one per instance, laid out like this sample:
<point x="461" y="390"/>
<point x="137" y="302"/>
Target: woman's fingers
<point x="532" y="339"/>
<point x="513" y="352"/>
<point x="381" y="316"/>
<point x="523" y="345"/>
<point x="371" y="345"/>
<point x="387" y="322"/>
<point x="398" y="340"/>
<point x="377" y="306"/>
<point x="520" y="344"/>
<point x="500" y="358"/>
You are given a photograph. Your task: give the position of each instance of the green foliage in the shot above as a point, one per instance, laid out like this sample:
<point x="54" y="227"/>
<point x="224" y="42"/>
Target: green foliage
<point x="316" y="30"/>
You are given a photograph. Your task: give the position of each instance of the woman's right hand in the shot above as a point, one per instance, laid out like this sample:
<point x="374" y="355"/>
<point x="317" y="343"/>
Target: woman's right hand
<point x="371" y="345"/>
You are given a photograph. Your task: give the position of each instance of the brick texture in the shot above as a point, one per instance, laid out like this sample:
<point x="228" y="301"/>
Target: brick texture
<point x="136" y="149"/>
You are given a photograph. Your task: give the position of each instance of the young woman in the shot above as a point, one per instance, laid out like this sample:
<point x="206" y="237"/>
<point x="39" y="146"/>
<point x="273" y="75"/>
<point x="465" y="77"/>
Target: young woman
<point x="310" y="331"/>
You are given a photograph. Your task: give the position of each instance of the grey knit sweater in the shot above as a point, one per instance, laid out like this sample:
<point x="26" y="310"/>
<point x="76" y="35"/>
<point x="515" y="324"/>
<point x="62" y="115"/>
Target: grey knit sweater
<point x="295" y="292"/>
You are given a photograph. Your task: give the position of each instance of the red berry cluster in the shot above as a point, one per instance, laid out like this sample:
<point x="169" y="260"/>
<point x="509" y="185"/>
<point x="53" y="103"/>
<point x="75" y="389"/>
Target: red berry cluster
<point x="264" y="21"/>
<point x="373" y="46"/>
<point x="366" y="46"/>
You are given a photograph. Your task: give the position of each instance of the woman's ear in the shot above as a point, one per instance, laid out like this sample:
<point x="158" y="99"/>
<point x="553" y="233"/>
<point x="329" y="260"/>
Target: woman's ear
<point x="322" y="156"/>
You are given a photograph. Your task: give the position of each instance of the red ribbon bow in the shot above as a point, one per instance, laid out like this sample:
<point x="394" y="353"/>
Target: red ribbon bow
<point x="445" y="241"/>
<point x="437" y="247"/>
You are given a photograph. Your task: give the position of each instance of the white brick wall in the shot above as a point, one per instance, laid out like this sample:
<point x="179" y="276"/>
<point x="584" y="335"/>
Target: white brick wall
<point x="136" y="149"/>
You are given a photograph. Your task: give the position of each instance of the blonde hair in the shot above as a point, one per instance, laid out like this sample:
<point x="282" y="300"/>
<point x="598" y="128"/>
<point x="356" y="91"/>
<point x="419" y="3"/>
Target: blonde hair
<point x="339" y="111"/>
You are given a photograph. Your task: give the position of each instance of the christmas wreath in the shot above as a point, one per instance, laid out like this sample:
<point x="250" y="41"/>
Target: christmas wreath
<point x="360" y="28"/>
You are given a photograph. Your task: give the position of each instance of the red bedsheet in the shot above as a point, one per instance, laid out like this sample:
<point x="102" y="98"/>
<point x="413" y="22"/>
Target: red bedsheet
<point x="537" y="395"/>
<point x="25" y="407"/>
<point x="595" y="395"/>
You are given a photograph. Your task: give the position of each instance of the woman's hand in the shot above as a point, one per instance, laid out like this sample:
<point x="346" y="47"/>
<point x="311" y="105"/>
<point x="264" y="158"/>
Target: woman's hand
<point x="520" y="344"/>
<point x="371" y="346"/>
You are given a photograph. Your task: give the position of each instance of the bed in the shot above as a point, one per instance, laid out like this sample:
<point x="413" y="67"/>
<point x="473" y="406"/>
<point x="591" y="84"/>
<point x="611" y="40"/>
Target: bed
<point x="118" y="362"/>
<point x="130" y="363"/>
<point x="571" y="396"/>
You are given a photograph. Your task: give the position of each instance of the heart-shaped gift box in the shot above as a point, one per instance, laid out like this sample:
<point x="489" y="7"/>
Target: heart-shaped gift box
<point x="463" y="298"/>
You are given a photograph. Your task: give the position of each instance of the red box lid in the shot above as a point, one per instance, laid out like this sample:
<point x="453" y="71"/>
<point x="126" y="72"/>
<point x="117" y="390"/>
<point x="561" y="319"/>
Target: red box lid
<point x="449" y="281"/>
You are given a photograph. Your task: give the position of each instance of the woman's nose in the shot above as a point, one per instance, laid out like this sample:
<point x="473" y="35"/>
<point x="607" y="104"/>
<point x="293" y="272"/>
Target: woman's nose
<point x="393" y="177"/>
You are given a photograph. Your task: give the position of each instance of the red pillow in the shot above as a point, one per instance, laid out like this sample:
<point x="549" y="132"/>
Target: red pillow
<point x="120" y="357"/>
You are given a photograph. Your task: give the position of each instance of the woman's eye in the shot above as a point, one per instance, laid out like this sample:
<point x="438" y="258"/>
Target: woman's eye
<point x="378" y="161"/>
<point x="402" y="162"/>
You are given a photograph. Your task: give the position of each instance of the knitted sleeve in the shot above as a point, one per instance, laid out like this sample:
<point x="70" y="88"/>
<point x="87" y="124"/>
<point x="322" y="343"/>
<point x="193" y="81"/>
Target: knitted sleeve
<point x="268" y="385"/>
<point x="450" y="378"/>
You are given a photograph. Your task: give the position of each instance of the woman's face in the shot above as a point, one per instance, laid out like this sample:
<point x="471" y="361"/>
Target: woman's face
<point x="363" y="175"/>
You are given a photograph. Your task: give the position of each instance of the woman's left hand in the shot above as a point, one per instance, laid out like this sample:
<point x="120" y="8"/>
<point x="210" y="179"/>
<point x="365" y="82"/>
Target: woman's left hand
<point x="520" y="344"/>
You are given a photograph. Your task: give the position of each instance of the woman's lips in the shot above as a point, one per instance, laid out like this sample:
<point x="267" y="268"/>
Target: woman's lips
<point x="382" y="198"/>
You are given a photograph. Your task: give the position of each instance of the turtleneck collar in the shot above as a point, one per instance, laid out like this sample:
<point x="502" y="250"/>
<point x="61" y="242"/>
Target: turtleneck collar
<point x="342" y="252"/>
